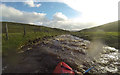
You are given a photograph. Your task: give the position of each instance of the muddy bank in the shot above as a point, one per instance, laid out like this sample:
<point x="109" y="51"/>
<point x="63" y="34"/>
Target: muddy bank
<point x="80" y="54"/>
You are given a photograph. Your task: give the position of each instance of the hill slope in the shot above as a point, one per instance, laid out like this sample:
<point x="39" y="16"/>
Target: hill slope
<point x="109" y="27"/>
<point x="19" y="27"/>
<point x="107" y="33"/>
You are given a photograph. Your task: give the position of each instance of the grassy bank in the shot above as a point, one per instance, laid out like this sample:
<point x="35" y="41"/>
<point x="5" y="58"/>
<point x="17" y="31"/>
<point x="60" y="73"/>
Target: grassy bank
<point x="108" y="33"/>
<point x="34" y="34"/>
<point x="109" y="38"/>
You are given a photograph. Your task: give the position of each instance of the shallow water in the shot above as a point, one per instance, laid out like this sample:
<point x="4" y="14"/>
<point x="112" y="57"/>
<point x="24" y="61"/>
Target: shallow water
<point x="109" y="60"/>
<point x="75" y="49"/>
<point x="80" y="54"/>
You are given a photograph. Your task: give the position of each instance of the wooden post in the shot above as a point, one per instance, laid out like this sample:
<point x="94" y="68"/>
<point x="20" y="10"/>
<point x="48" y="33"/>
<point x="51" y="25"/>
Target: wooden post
<point x="6" y="29"/>
<point x="24" y="32"/>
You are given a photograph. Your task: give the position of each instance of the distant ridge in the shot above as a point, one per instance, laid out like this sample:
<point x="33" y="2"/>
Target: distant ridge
<point x="109" y="27"/>
<point x="15" y="27"/>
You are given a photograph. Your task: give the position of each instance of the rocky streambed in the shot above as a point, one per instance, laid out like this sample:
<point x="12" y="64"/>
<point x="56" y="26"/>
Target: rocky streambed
<point x="83" y="55"/>
<point x="80" y="54"/>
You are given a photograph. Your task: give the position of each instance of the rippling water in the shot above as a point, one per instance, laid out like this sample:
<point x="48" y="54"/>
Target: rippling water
<point x="77" y="50"/>
<point x="81" y="54"/>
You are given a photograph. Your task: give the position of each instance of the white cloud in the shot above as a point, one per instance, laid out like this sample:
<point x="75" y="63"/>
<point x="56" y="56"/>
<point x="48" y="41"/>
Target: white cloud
<point x="31" y="3"/>
<point x="14" y="15"/>
<point x="69" y="25"/>
<point x="59" y="16"/>
<point x="98" y="11"/>
<point x="61" y="21"/>
<point x="93" y="13"/>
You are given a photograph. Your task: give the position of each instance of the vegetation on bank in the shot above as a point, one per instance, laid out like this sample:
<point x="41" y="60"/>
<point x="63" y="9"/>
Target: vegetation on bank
<point x="33" y="35"/>
<point x="109" y="34"/>
<point x="108" y="38"/>
<point x="22" y="34"/>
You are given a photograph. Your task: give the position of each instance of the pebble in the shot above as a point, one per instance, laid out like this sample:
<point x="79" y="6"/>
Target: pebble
<point x="72" y="47"/>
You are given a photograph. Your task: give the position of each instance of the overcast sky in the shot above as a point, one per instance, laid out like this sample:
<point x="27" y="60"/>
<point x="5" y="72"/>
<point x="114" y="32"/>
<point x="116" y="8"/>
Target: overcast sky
<point x="64" y="14"/>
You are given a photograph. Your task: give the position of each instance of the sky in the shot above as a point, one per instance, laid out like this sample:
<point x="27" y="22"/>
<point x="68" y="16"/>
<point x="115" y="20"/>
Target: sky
<point x="63" y="14"/>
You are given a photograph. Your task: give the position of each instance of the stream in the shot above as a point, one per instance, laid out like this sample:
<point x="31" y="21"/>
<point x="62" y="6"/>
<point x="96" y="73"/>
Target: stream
<point x="76" y="50"/>
<point x="80" y="54"/>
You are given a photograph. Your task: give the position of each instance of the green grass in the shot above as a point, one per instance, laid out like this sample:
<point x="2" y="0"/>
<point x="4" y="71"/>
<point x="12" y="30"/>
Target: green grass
<point x="108" y="33"/>
<point x="109" y="38"/>
<point x="16" y="39"/>
<point x="19" y="27"/>
<point x="109" y="27"/>
<point x="11" y="46"/>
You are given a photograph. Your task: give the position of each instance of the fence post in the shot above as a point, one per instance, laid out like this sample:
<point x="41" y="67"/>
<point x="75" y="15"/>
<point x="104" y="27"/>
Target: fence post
<point x="6" y="29"/>
<point x="24" y="31"/>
